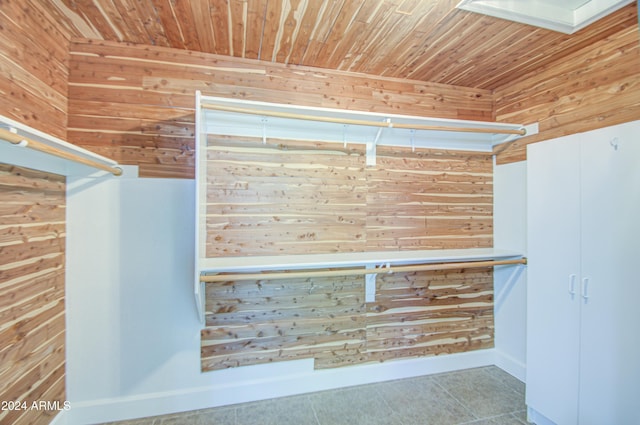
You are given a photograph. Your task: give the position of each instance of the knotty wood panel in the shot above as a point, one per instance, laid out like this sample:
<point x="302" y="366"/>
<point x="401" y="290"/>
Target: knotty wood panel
<point x="32" y="318"/>
<point x="426" y="40"/>
<point x="301" y="197"/>
<point x="414" y="315"/>
<point x="251" y="322"/>
<point x="429" y="199"/>
<point x="594" y="87"/>
<point x="429" y="313"/>
<point x="33" y="67"/>
<point x="134" y="103"/>
<point x="295" y="197"/>
<point x="285" y="197"/>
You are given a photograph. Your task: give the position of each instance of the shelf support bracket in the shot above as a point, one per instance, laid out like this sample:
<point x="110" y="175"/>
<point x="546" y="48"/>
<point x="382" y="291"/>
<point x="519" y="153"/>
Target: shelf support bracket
<point x="370" y="282"/>
<point x="371" y="146"/>
<point x="370" y="286"/>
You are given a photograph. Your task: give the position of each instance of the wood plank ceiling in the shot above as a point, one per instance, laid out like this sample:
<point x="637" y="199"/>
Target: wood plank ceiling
<point x="425" y="40"/>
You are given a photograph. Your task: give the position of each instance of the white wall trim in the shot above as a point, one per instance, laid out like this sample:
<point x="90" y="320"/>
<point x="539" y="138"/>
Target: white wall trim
<point x="511" y="365"/>
<point x="303" y="379"/>
<point x="60" y="418"/>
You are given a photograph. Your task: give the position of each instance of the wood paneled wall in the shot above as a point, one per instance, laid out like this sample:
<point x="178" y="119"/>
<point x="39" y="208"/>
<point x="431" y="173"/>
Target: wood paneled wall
<point x="33" y="67"/>
<point x="597" y="86"/>
<point x="135" y="103"/>
<point x="32" y="312"/>
<point x="33" y="83"/>
<point x="326" y="319"/>
<point x="300" y="197"/>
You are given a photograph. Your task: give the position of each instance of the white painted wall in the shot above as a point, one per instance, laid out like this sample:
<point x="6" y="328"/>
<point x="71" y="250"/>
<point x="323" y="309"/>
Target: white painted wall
<point x="510" y="202"/>
<point x="133" y="346"/>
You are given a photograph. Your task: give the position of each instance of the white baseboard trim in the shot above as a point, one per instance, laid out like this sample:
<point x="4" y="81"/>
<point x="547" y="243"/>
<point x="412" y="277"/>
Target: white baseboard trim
<point x="511" y="365"/>
<point x="302" y="379"/>
<point x="60" y="418"/>
<point x="537" y="418"/>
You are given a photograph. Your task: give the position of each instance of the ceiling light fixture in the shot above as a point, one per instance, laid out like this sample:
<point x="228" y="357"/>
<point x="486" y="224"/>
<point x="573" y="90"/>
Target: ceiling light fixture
<point x="567" y="16"/>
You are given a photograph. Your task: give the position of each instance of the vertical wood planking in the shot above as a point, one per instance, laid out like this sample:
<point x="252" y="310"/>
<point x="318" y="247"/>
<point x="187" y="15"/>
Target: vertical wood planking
<point x="32" y="318"/>
<point x="425" y="40"/>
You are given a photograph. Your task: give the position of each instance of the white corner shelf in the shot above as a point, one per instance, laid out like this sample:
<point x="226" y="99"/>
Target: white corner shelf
<point x="21" y="155"/>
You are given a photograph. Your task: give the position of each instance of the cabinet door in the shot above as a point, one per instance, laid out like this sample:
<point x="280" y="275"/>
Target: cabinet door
<point x="553" y="235"/>
<point x="610" y="339"/>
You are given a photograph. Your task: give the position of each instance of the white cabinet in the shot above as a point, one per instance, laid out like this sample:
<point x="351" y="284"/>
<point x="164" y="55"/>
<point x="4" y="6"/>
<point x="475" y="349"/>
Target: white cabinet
<point x="583" y="317"/>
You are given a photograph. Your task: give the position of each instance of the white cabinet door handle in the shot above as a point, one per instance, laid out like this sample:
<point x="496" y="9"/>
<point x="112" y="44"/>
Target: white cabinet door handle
<point x="585" y="288"/>
<point x="572" y="285"/>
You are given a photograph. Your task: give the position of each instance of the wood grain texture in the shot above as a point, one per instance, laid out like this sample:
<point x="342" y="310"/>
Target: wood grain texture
<point x="427" y="40"/>
<point x="429" y="199"/>
<point x="251" y="322"/>
<point x="303" y="197"/>
<point x="32" y="294"/>
<point x="300" y="197"/>
<point x="415" y="315"/>
<point x="33" y="67"/>
<point x="595" y="86"/>
<point x="283" y="197"/>
<point x="430" y="313"/>
<point x="135" y="103"/>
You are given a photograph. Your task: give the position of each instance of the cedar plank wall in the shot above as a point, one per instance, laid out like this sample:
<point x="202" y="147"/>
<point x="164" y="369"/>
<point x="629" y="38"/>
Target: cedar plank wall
<point x="135" y="103"/>
<point x="33" y="88"/>
<point x="414" y="315"/>
<point x="32" y="320"/>
<point x="33" y="67"/>
<point x="301" y="197"/>
<point x="594" y="87"/>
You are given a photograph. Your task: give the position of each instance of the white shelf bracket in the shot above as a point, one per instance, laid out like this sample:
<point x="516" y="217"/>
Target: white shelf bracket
<point x="371" y="146"/>
<point x="370" y="282"/>
<point x="371" y="153"/>
<point x="264" y="130"/>
<point x="370" y="286"/>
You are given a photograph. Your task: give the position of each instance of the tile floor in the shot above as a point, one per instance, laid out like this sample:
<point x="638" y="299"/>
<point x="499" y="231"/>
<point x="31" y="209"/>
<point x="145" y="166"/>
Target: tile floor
<point x="481" y="396"/>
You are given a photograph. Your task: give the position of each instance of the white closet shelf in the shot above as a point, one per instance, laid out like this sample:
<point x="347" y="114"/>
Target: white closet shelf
<point x="253" y="264"/>
<point x="268" y="121"/>
<point x="27" y="147"/>
<point x="265" y="120"/>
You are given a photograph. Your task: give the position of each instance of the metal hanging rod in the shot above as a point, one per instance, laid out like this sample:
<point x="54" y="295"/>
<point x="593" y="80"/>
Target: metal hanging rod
<point x="387" y="124"/>
<point x="354" y="272"/>
<point x="19" y="140"/>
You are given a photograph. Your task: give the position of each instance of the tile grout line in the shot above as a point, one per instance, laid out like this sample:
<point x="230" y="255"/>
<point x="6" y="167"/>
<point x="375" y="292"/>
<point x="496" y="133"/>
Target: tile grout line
<point x="313" y="409"/>
<point x="384" y="400"/>
<point x="464" y="405"/>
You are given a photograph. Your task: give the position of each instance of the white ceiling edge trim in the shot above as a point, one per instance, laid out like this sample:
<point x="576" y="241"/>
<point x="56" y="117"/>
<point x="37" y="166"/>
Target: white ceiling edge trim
<point x="556" y="17"/>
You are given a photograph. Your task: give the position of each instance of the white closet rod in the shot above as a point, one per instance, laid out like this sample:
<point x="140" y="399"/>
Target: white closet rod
<point x="19" y="140"/>
<point x="355" y="272"/>
<point x="387" y="123"/>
